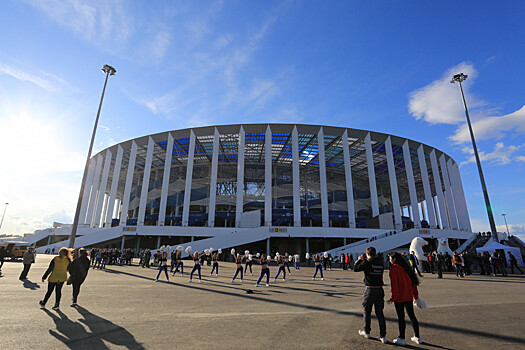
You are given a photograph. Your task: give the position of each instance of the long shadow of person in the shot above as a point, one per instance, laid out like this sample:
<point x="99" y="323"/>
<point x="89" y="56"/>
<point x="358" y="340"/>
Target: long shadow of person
<point x="31" y="285"/>
<point x="107" y="330"/>
<point x="73" y="334"/>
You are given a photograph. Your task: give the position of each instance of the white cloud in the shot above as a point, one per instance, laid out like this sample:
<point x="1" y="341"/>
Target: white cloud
<point x="59" y="216"/>
<point x="501" y="155"/>
<point x="46" y="81"/>
<point x="440" y="101"/>
<point x="97" y="21"/>
<point x="492" y="127"/>
<point x="520" y="158"/>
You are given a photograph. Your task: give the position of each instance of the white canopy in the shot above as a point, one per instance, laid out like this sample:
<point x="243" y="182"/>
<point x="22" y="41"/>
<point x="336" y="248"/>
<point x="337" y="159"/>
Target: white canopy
<point x="491" y="248"/>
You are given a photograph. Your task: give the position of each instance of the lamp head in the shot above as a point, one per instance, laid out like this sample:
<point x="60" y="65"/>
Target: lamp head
<point x="459" y="78"/>
<point x="108" y="69"/>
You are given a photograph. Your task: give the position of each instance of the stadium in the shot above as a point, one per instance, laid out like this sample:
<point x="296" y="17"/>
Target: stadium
<point x="268" y="187"/>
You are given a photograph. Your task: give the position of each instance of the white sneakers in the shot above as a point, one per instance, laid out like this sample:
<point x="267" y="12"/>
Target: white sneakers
<point x="399" y="341"/>
<point x="416" y="340"/>
<point x="364" y="334"/>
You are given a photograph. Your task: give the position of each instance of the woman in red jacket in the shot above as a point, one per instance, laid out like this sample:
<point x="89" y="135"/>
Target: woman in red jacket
<point x="404" y="284"/>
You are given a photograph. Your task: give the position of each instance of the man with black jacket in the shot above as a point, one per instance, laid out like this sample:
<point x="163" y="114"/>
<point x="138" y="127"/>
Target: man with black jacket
<point x="373" y="268"/>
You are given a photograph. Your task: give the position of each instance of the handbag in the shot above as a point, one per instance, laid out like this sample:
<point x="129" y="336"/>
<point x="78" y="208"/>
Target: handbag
<point x="420" y="303"/>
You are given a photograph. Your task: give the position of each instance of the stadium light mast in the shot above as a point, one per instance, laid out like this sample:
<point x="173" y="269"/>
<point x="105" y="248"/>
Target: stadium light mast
<point x="504" y="218"/>
<point x="108" y="70"/>
<point x="3" y="216"/>
<point x="460" y="78"/>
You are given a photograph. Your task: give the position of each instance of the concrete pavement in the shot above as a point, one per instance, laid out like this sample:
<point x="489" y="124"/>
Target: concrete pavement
<point x="123" y="308"/>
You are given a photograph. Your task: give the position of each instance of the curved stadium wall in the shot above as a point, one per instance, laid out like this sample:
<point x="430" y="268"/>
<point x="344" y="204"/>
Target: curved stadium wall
<point x="281" y="174"/>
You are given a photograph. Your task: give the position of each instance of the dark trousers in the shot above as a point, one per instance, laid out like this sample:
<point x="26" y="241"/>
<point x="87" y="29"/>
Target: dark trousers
<point x="76" y="290"/>
<point x="439" y="270"/>
<point x="400" y="310"/>
<point x="374" y="297"/>
<point x="215" y="268"/>
<point x="281" y="268"/>
<point x="239" y="269"/>
<point x="198" y="268"/>
<point x="57" y="286"/>
<point x="165" y="269"/>
<point x="266" y="272"/>
<point x="318" y="268"/>
<point x="248" y="263"/>
<point x="25" y="271"/>
<point x="181" y="265"/>
<point x="512" y="265"/>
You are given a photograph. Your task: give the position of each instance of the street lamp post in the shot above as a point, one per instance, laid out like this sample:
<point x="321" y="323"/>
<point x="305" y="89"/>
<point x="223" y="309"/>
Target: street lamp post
<point x="3" y="216"/>
<point x="504" y="218"/>
<point x="460" y="78"/>
<point x="108" y="70"/>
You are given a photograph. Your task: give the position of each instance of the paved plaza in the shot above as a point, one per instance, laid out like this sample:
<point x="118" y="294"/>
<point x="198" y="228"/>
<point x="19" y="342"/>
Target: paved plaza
<point x="123" y="308"/>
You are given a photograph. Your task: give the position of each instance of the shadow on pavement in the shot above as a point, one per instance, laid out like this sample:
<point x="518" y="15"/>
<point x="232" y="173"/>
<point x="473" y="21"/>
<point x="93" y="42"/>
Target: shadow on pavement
<point x="31" y="285"/>
<point x="75" y="336"/>
<point x="453" y="329"/>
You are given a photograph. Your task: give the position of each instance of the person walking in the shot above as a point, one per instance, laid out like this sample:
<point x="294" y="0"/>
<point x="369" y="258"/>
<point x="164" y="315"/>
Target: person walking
<point x="414" y="262"/>
<point x="514" y="263"/>
<point x="296" y="260"/>
<point x="439" y="260"/>
<point x="3" y="254"/>
<point x="373" y="295"/>
<point x="28" y="258"/>
<point x="78" y="270"/>
<point x="457" y="260"/>
<point x="57" y="272"/>
<point x="404" y="282"/>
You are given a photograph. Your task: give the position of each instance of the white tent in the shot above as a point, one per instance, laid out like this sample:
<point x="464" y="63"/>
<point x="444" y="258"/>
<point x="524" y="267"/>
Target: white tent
<point x="491" y="248"/>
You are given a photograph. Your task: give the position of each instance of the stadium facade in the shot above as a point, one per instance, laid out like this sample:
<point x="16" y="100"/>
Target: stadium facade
<point x="270" y="186"/>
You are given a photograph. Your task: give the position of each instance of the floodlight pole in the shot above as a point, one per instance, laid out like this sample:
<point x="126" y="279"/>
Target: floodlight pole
<point x="460" y="78"/>
<point x="109" y="71"/>
<point x="3" y="216"/>
<point x="504" y="218"/>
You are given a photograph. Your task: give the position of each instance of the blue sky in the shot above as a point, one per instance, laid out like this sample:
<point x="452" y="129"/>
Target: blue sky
<point x="381" y="66"/>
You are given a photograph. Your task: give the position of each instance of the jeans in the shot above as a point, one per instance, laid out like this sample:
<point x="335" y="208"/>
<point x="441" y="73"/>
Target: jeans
<point x="265" y="271"/>
<point x="459" y="270"/>
<point x="281" y="268"/>
<point x="76" y="291"/>
<point x="400" y="310"/>
<point x="215" y="266"/>
<point x="165" y="269"/>
<point x="198" y="268"/>
<point x="248" y="263"/>
<point x="374" y="297"/>
<point x="25" y="271"/>
<point x="285" y="264"/>
<point x="239" y="269"/>
<point x="57" y="286"/>
<point x="320" y="269"/>
<point x="181" y="265"/>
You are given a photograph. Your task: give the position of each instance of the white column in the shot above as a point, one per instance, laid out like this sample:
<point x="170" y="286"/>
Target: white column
<point x="102" y="191"/>
<point x="393" y="184"/>
<point x="349" y="185"/>
<point x="296" y="180"/>
<point x="426" y="186"/>
<point x="459" y="196"/>
<point x="240" y="179"/>
<point x="145" y="183"/>
<point x="189" y="178"/>
<point x="165" y="181"/>
<point x="213" y="180"/>
<point x="114" y="185"/>
<point x="105" y="210"/>
<point x="322" y="178"/>
<point x="371" y="175"/>
<point x="94" y="191"/>
<point x="439" y="190"/>
<point x="448" y="194"/>
<point x="411" y="185"/>
<point x="87" y="190"/>
<point x="268" y="177"/>
<point x="127" y="186"/>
